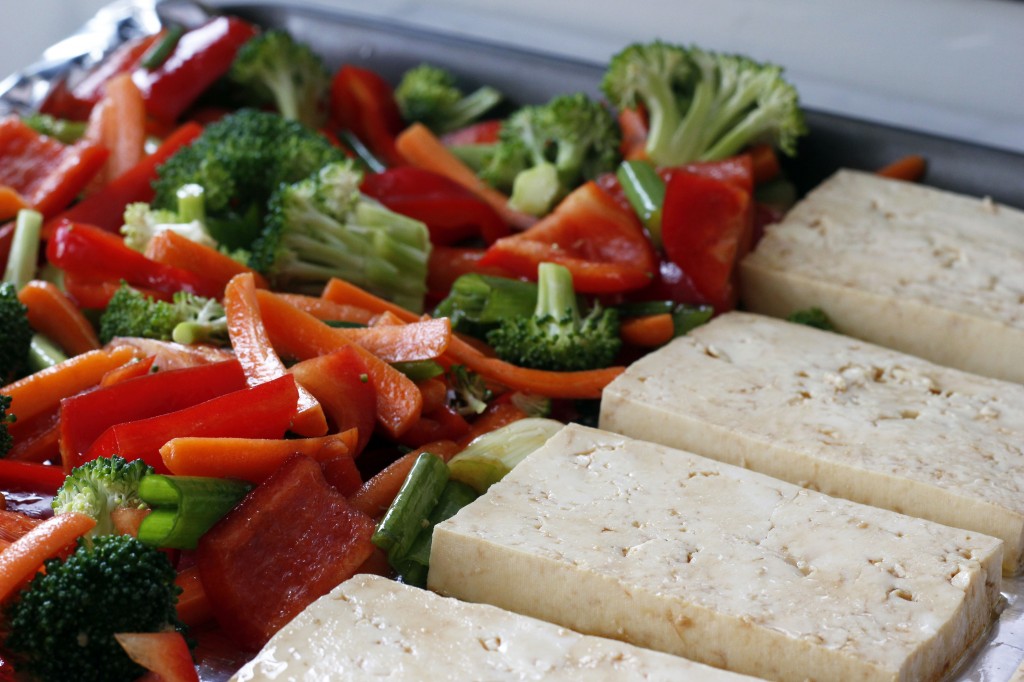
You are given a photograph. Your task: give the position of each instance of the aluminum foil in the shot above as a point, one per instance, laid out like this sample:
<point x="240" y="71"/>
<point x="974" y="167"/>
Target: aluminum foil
<point x="995" y="659"/>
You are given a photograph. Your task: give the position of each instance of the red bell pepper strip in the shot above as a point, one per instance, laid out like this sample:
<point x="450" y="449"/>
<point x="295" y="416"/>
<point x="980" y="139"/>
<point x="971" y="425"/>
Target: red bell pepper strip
<point x="94" y="294"/>
<point x="447" y="263"/>
<point x="263" y="411"/>
<point x="47" y="174"/>
<point x="105" y="207"/>
<point x="290" y="541"/>
<point x="36" y="439"/>
<point x="340" y="381"/>
<point x="164" y="653"/>
<point x="41" y="478"/>
<point x="363" y="103"/>
<point x="95" y="254"/>
<point x="483" y="132"/>
<point x="601" y="243"/>
<point x="342" y="473"/>
<point x="451" y="212"/>
<point x="76" y="103"/>
<point x="84" y="417"/>
<point x="201" y="57"/>
<point x="443" y="423"/>
<point x="706" y="224"/>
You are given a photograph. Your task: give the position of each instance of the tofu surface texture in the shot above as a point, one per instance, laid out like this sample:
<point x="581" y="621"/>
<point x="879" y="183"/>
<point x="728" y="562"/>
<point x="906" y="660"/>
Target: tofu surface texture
<point x="372" y="628"/>
<point x="839" y="415"/>
<point x="665" y="549"/>
<point x="927" y="272"/>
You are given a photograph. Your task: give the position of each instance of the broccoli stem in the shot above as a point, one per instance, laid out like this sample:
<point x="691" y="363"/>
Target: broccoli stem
<point x="24" y="254"/>
<point x="469" y="108"/>
<point x="487" y="300"/>
<point x="185" y="507"/>
<point x="44" y="353"/>
<point x="191" y="203"/>
<point x="535" y="189"/>
<point x="411" y="508"/>
<point x="475" y="156"/>
<point x="556" y="298"/>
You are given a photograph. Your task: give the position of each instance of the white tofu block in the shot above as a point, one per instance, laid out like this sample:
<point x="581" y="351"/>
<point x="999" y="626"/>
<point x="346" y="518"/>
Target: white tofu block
<point x="927" y="272"/>
<point x="371" y="628"/>
<point x="838" y="415"/>
<point x="668" y="550"/>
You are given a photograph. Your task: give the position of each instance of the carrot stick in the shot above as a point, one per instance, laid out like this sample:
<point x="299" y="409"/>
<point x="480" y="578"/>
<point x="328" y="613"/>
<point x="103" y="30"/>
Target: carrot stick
<point x="421" y="148"/>
<point x="253" y="349"/>
<point x="584" y="384"/>
<point x="43" y="391"/>
<point x="214" y="267"/>
<point x="649" y="331"/>
<point x="52" y="314"/>
<point x="247" y="459"/>
<point x="435" y="394"/>
<point x="118" y="122"/>
<point x="20" y="561"/>
<point x="910" y="168"/>
<point x="127" y="520"/>
<point x="14" y="525"/>
<point x="10" y="203"/>
<point x="170" y="355"/>
<point x="633" y="124"/>
<point x="322" y="309"/>
<point x="377" y="494"/>
<point x="130" y="370"/>
<point x="765" y="163"/>
<point x="193" y="605"/>
<point x="302" y="336"/>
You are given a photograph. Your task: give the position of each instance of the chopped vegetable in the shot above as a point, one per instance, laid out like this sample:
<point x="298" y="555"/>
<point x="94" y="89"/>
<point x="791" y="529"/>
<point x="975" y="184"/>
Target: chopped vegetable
<point x="429" y="95"/>
<point x="397" y="531"/>
<point x="142" y="223"/>
<point x="6" y="419"/>
<point x="187" y="319"/>
<point x="813" y="317"/>
<point x="17" y="337"/>
<point x="99" y="487"/>
<point x="491" y="456"/>
<point x="185" y="507"/>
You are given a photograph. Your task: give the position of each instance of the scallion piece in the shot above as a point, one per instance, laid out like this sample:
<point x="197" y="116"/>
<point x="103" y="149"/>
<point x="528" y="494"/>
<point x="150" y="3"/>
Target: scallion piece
<point x="184" y="507"/>
<point x="645" y="191"/>
<point x="491" y="456"/>
<point x="419" y="370"/>
<point x="410" y="511"/>
<point x="163" y="48"/>
<point x="413" y="566"/>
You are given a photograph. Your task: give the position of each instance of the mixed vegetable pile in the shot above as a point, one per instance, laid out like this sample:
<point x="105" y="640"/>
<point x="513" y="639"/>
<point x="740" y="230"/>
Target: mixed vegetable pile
<point x="265" y="324"/>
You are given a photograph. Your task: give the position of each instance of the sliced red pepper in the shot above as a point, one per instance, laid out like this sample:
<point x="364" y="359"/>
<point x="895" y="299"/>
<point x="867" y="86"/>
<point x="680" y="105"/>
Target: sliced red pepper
<point x="447" y="263"/>
<point x="92" y="253"/>
<point x="165" y="654"/>
<point x="483" y="132"/>
<point x="451" y="212"/>
<point x="290" y="541"/>
<point x="47" y="174"/>
<point x="28" y="476"/>
<point x="444" y="423"/>
<point x="340" y="381"/>
<point x="202" y="56"/>
<point x="705" y="223"/>
<point x="263" y="411"/>
<point x="342" y="473"/>
<point x="105" y="207"/>
<point x="36" y="439"/>
<point x="86" y="416"/>
<point x="94" y="294"/>
<point x="364" y="103"/>
<point x="76" y="102"/>
<point x="601" y="243"/>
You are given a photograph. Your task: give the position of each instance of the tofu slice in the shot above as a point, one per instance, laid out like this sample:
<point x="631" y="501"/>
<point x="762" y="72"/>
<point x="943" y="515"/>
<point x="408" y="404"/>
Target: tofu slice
<point x="927" y="272"/>
<point x="838" y="415"/>
<point x="668" y="550"/>
<point x="371" y="628"/>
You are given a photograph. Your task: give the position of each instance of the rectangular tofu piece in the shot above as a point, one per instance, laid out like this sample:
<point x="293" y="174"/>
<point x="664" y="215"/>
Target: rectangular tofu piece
<point x="838" y="415"/>
<point x="665" y="549"/>
<point x="927" y="272"/>
<point x="372" y="628"/>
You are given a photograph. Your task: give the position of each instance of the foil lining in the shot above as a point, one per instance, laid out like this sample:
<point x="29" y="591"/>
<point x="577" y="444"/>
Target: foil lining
<point x="995" y="659"/>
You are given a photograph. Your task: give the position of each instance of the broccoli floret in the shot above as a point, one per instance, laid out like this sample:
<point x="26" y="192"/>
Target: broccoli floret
<point x="280" y="69"/>
<point x="239" y="161"/>
<point x="6" y="419"/>
<point x="188" y="318"/>
<point x="468" y="392"/>
<point x="64" y="623"/>
<point x="547" y="150"/>
<point x="142" y="222"/>
<point x="703" y="105"/>
<point x="17" y="335"/>
<point x="100" y="486"/>
<point x="557" y="336"/>
<point x="429" y="94"/>
<point x="813" y="317"/>
<point x="477" y="303"/>
<point x="322" y="227"/>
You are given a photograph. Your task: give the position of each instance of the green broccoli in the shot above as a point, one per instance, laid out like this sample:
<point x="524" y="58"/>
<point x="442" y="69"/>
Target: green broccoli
<point x="239" y="161"/>
<point x="188" y="318"/>
<point x="468" y="392"/>
<point x="100" y="486"/>
<point x="6" y="419"/>
<point x="322" y="227"/>
<point x="557" y="336"/>
<point x="63" y="624"/>
<point x="478" y="303"/>
<point x="429" y="94"/>
<point x="17" y="336"/>
<point x="278" y="68"/>
<point x="812" y="317"/>
<point x="142" y="222"/>
<point x="703" y="105"/>
<point x="545" y="151"/>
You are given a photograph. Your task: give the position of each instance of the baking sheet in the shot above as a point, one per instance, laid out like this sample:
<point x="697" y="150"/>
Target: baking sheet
<point x="525" y="76"/>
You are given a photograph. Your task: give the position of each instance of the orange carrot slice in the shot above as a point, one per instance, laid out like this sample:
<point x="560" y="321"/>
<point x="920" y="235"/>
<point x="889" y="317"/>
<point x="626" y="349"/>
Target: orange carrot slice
<point x="322" y="309"/>
<point x="421" y="148"/>
<point x="52" y="314"/>
<point x="377" y="494"/>
<point x="649" y="331"/>
<point x="247" y="459"/>
<point x="193" y="605"/>
<point x="20" y="561"/>
<point x="910" y="168"/>
<point x="10" y="202"/>
<point x="118" y="122"/>
<point x="253" y="349"/>
<point x="171" y="248"/>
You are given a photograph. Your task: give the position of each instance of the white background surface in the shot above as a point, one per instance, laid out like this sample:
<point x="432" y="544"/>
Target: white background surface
<point x="953" y="67"/>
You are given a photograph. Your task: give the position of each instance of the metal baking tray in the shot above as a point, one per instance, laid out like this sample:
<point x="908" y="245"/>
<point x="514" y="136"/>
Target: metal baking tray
<point x="530" y="76"/>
